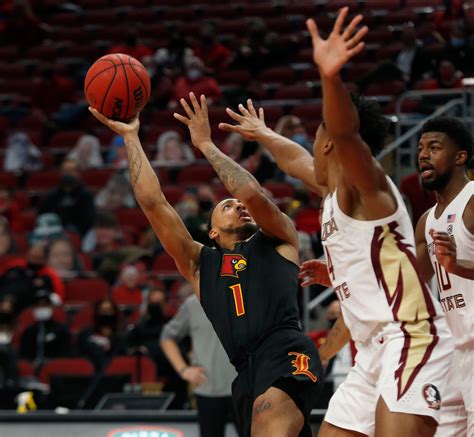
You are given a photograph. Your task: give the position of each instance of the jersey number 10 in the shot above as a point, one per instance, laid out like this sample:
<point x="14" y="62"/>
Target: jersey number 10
<point x="442" y="276"/>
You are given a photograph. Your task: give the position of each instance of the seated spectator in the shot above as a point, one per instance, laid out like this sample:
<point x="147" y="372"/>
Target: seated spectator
<point x="21" y="154"/>
<point x="103" y="340"/>
<point x="448" y="19"/>
<point x="87" y="153"/>
<point x="196" y="80"/>
<point x="48" y="227"/>
<point x="130" y="288"/>
<point x="7" y="244"/>
<point x="447" y="77"/>
<point x="10" y="209"/>
<point x="117" y="153"/>
<point x="21" y="278"/>
<point x="105" y="236"/>
<point x="170" y="60"/>
<point x="63" y="258"/>
<point x="255" y="161"/>
<point x="116" y="194"/>
<point x="46" y="338"/>
<point x="291" y="126"/>
<point x="171" y="150"/>
<point x="232" y="146"/>
<point x="131" y="46"/>
<point x="8" y="353"/>
<point x="71" y="200"/>
<point x="215" y="55"/>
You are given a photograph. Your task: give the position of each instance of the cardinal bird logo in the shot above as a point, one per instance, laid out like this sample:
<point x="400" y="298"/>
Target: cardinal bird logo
<point x="232" y="264"/>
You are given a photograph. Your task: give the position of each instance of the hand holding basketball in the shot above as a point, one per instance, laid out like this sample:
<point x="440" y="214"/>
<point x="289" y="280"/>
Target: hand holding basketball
<point x="122" y="129"/>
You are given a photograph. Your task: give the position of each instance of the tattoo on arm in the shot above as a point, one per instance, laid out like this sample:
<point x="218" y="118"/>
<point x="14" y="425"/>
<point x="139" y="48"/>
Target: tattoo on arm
<point x="134" y="161"/>
<point x="264" y="406"/>
<point x="232" y="175"/>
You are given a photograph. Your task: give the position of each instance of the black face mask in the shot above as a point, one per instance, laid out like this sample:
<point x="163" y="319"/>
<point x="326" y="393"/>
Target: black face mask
<point x="6" y="318"/>
<point x="155" y="311"/>
<point x="35" y="266"/>
<point x="107" y="320"/>
<point x="68" y="182"/>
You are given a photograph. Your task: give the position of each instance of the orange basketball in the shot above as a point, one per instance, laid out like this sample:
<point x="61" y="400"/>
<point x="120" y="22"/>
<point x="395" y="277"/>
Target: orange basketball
<point x="118" y="86"/>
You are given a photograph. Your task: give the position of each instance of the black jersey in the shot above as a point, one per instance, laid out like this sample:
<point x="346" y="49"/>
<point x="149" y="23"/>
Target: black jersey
<point x="248" y="292"/>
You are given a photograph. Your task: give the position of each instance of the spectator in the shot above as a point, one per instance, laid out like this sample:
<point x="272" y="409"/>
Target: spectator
<point x="215" y="55"/>
<point x="447" y="77"/>
<point x="255" y="161"/>
<point x="10" y="209"/>
<point x="291" y="126"/>
<point x="232" y="146"/>
<point x="7" y="244"/>
<point x="21" y="154"/>
<point x="102" y="341"/>
<point x="116" y="194"/>
<point x="21" y="278"/>
<point x="132" y="47"/>
<point x="197" y="223"/>
<point x="195" y="80"/>
<point x="63" y="258"/>
<point x="170" y="60"/>
<point x="46" y="338"/>
<point x="71" y="200"/>
<point x="130" y="288"/>
<point x="117" y="153"/>
<point x="87" y="153"/>
<point x="171" y="150"/>
<point x="48" y="227"/>
<point x="105" y="236"/>
<point x="448" y="20"/>
<point x="210" y="372"/>
<point x="8" y="355"/>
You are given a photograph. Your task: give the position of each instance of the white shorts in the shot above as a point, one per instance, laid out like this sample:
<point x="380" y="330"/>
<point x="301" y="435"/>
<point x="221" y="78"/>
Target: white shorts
<point x="407" y="371"/>
<point x="457" y="406"/>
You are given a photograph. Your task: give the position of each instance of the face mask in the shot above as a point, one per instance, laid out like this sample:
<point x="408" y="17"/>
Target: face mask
<point x="68" y="182"/>
<point x="6" y="318"/>
<point x="194" y="74"/>
<point x="300" y="139"/>
<point x="35" y="266"/>
<point x="42" y="314"/>
<point x="107" y="320"/>
<point x="155" y="311"/>
<point x="457" y="42"/>
<point x="5" y="338"/>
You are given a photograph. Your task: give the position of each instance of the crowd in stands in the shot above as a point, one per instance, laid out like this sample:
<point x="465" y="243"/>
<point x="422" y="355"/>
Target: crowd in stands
<point x="81" y="272"/>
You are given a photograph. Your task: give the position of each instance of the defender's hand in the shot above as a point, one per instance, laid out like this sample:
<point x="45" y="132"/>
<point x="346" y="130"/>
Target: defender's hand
<point x="197" y="120"/>
<point x="314" y="271"/>
<point x="251" y="124"/>
<point x="445" y="250"/>
<point x="122" y="129"/>
<point x="333" y="53"/>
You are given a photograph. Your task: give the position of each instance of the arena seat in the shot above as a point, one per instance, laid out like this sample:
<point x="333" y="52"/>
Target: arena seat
<point x="132" y="217"/>
<point x="7" y="179"/>
<point x="277" y="74"/>
<point x="66" y="366"/>
<point x="386" y="88"/>
<point x="42" y="180"/>
<point x="173" y="193"/>
<point x="196" y="173"/>
<point x="335" y="5"/>
<point x="97" y="177"/>
<point x="164" y="264"/>
<point x="141" y="369"/>
<point x="25" y="368"/>
<point x="280" y="190"/>
<point x="84" y="318"/>
<point x="65" y="139"/>
<point x="308" y="111"/>
<point x="86" y="290"/>
<point x="296" y="91"/>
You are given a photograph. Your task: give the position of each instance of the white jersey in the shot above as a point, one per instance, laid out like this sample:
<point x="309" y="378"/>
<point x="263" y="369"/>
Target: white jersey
<point x="372" y="266"/>
<point x="456" y="293"/>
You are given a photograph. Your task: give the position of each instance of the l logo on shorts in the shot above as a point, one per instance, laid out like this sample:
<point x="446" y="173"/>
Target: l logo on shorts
<point x="432" y="396"/>
<point x="301" y="364"/>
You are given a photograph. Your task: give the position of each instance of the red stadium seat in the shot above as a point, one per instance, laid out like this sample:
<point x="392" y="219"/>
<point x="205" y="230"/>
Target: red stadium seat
<point x="7" y="179"/>
<point x="335" y="5"/>
<point x="293" y="92"/>
<point x="277" y="74"/>
<point x="280" y="190"/>
<point x="309" y="111"/>
<point x="383" y="4"/>
<point x="140" y="369"/>
<point x="84" y="318"/>
<point x="164" y="264"/>
<point x="65" y="139"/>
<point x="132" y="217"/>
<point x="97" y="178"/>
<point x="25" y="368"/>
<point x="86" y="290"/>
<point x="66" y="366"/>
<point x="28" y="219"/>
<point x="387" y="88"/>
<point x="196" y="173"/>
<point x="173" y="193"/>
<point x="235" y="77"/>
<point x="43" y="52"/>
<point x="41" y="180"/>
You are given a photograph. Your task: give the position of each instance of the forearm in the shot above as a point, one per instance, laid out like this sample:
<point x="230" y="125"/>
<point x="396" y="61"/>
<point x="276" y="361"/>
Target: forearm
<point x="143" y="178"/>
<point x="464" y="268"/>
<point x="172" y="352"/>
<point x="338" y="336"/>
<point x="340" y="115"/>
<point x="238" y="181"/>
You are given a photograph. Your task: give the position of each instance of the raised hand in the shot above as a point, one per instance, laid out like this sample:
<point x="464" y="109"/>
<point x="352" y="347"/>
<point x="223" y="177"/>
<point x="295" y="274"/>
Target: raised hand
<point x="333" y="53"/>
<point x="197" y="120"/>
<point x="445" y="250"/>
<point x="118" y="127"/>
<point x="251" y="124"/>
<point x="314" y="271"/>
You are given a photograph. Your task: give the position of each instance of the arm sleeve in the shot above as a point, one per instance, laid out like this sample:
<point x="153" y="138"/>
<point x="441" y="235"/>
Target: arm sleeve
<point x="179" y="326"/>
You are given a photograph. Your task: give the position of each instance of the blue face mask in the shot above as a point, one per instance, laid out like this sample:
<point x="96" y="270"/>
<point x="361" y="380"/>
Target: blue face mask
<point x="457" y="42"/>
<point x="301" y="139"/>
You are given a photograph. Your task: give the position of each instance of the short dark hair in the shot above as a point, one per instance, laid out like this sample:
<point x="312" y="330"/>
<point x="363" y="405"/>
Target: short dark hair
<point x="209" y="225"/>
<point x="455" y="129"/>
<point x="373" y="125"/>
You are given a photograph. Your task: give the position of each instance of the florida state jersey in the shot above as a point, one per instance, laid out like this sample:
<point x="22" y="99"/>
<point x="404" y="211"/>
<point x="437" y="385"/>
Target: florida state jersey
<point x="372" y="266"/>
<point x="456" y="293"/>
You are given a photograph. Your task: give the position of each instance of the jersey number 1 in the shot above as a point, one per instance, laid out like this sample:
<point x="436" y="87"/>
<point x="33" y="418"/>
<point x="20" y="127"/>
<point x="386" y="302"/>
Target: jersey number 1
<point x="238" y="299"/>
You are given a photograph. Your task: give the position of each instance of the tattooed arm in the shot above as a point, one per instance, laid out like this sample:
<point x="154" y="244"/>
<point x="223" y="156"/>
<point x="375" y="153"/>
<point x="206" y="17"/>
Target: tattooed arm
<point x="238" y="181"/>
<point x="337" y="338"/>
<point x="166" y="223"/>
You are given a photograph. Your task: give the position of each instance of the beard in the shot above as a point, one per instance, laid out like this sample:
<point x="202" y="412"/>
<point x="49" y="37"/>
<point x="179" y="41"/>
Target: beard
<point x="243" y="232"/>
<point x="438" y="183"/>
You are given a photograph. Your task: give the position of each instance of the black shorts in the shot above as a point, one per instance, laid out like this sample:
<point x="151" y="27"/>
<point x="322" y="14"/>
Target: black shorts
<point x="287" y="360"/>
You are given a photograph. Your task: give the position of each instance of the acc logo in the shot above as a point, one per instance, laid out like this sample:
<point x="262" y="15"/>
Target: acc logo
<point x="145" y="431"/>
<point x="232" y="264"/>
<point x="432" y="396"/>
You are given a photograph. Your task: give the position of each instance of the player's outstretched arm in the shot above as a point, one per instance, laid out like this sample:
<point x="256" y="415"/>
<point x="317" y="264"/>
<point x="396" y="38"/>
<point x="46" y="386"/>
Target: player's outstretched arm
<point x="340" y="115"/>
<point x="422" y="256"/>
<point x="166" y="223"/>
<point x="337" y="338"/>
<point x="238" y="181"/>
<point x="293" y="159"/>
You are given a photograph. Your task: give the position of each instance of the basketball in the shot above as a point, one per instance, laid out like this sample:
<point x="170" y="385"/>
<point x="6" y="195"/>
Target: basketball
<point x="118" y="86"/>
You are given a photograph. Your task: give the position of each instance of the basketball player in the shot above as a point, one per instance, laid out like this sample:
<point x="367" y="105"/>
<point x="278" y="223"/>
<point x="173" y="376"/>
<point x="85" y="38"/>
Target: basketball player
<point x="403" y="342"/>
<point x="445" y="246"/>
<point x="247" y="285"/>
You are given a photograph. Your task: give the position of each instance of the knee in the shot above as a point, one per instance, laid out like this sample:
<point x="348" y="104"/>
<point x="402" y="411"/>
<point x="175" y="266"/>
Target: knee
<point x="268" y="419"/>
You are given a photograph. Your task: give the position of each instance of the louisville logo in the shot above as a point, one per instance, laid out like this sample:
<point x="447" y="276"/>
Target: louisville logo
<point x="232" y="264"/>
<point x="301" y="364"/>
<point x="432" y="396"/>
